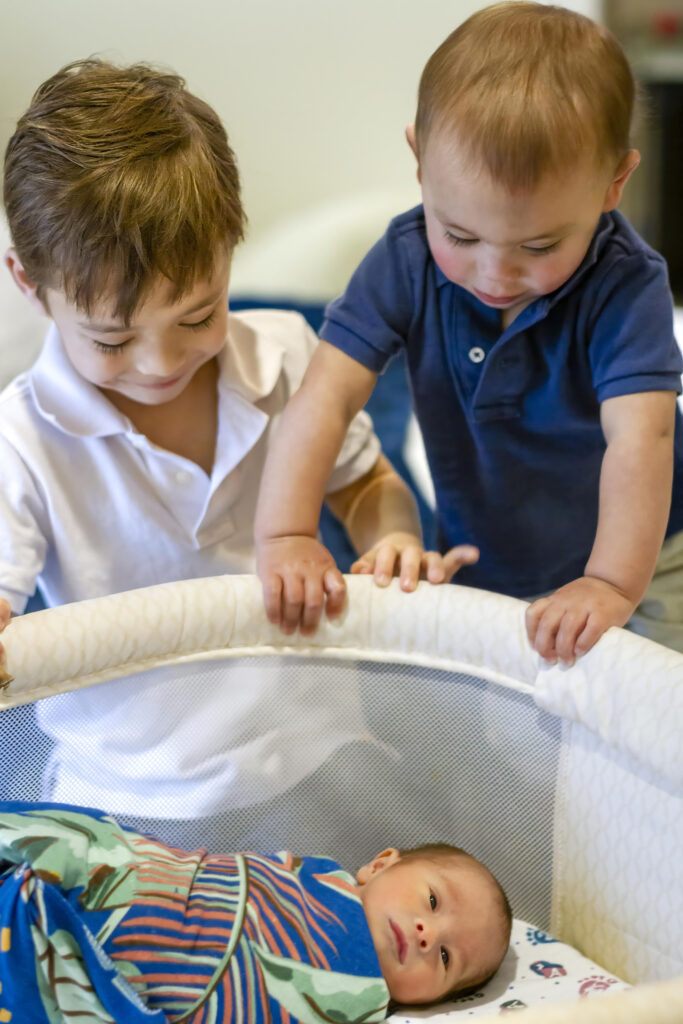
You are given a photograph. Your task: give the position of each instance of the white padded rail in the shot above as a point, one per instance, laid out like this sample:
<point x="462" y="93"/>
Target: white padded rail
<point x="627" y="690"/>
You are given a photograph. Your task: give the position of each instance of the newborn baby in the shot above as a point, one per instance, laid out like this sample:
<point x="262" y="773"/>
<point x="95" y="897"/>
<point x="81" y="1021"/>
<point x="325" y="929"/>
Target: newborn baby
<point x="102" y="922"/>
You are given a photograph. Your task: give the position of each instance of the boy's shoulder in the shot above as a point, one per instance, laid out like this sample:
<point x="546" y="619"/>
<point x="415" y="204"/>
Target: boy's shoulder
<point x="264" y="344"/>
<point x="408" y="233"/>
<point x="616" y="241"/>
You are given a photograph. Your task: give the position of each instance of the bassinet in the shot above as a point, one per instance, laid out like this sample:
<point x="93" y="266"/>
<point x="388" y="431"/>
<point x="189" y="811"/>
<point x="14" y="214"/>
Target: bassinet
<point x="425" y="717"/>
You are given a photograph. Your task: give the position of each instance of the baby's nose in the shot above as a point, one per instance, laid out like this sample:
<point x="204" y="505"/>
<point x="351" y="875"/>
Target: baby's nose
<point x="425" y="936"/>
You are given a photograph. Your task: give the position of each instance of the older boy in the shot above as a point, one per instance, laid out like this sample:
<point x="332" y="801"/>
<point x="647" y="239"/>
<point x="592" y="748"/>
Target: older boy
<point x="131" y="453"/>
<point x="110" y="921"/>
<point x="538" y="328"/>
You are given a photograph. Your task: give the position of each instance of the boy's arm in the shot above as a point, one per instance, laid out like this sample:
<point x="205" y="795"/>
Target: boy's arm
<point x="5" y="616"/>
<point x="635" y="498"/>
<point x="298" y="573"/>
<point x="381" y="518"/>
<point x="296" y="570"/>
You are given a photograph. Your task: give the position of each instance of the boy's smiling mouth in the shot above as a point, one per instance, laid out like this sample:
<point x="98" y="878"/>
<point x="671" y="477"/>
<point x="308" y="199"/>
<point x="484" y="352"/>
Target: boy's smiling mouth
<point x="401" y="944"/>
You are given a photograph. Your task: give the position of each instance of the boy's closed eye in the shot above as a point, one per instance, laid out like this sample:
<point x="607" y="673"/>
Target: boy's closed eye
<point x="198" y="325"/>
<point x="534" y="250"/>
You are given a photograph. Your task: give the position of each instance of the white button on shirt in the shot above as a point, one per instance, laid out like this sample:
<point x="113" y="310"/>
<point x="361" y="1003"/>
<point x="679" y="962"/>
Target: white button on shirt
<point x="88" y="506"/>
<point x="476" y="354"/>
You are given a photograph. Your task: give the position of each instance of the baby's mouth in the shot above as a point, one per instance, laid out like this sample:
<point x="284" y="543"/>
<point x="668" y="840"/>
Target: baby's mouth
<point x="401" y="944"/>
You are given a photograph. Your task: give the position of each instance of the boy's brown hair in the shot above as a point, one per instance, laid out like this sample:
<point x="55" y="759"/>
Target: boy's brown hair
<point x="523" y="88"/>
<point x="115" y="176"/>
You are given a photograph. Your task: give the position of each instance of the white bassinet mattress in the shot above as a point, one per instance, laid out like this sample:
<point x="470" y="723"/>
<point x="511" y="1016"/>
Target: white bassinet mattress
<point x="537" y="971"/>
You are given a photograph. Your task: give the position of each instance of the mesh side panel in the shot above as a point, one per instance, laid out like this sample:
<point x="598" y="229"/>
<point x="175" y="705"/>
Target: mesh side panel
<point x="441" y="757"/>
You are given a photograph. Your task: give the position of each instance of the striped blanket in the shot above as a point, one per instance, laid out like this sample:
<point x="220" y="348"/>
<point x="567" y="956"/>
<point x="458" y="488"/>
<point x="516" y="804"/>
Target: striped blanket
<point x="99" y="923"/>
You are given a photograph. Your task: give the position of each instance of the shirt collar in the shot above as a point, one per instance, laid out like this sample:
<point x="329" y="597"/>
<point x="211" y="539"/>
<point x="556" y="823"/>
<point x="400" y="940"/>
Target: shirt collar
<point x="249" y="368"/>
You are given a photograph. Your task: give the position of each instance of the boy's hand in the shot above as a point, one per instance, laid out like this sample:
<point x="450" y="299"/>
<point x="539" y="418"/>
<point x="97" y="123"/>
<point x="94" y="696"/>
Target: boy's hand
<point x="402" y="554"/>
<point x="569" y="622"/>
<point x="5" y="615"/>
<point x="299" y="579"/>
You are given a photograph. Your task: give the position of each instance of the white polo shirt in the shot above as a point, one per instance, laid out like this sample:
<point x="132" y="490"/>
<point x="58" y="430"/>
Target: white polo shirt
<point x="89" y="506"/>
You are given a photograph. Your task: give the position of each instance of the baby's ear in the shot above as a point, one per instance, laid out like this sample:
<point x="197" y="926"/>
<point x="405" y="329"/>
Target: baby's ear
<point x="383" y="860"/>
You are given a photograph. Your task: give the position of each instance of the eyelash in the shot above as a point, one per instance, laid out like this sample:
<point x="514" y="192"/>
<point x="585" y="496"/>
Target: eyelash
<point x="445" y="958"/>
<point x="456" y="240"/>
<point x="112" y="350"/>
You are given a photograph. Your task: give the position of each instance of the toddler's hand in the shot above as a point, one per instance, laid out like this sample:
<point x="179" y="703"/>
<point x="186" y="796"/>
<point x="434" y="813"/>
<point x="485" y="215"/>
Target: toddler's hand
<point x="299" y="578"/>
<point x="569" y="622"/>
<point x="402" y="554"/>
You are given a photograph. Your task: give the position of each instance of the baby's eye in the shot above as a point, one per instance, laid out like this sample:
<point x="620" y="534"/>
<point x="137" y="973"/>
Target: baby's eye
<point x="444" y="956"/>
<point x="432" y="901"/>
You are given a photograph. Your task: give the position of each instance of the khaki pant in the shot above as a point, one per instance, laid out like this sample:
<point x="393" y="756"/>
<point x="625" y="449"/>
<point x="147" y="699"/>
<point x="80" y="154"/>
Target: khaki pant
<point x="659" y="616"/>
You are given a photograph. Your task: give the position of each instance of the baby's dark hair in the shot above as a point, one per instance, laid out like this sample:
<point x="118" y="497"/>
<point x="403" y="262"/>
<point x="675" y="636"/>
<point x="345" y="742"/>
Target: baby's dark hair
<point x="116" y="176"/>
<point x="434" y="851"/>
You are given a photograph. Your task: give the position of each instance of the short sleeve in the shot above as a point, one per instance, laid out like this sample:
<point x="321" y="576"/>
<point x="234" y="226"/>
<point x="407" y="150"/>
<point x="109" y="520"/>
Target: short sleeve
<point x="632" y="346"/>
<point x="22" y="542"/>
<point x="371" y="320"/>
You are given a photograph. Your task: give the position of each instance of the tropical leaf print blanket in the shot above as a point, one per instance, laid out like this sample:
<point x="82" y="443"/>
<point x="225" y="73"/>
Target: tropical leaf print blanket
<point x="99" y="923"/>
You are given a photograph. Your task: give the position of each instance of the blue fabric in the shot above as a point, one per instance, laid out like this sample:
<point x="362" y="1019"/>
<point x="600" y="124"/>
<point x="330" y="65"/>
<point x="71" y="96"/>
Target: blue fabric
<point x="99" y="922"/>
<point x="514" y="441"/>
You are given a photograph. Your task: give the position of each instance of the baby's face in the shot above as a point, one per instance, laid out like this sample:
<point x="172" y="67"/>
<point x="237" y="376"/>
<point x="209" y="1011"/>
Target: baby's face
<point x="507" y="248"/>
<point x="436" y="922"/>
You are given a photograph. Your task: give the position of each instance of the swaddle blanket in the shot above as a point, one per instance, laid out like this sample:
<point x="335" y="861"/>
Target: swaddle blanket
<point x="101" y="923"/>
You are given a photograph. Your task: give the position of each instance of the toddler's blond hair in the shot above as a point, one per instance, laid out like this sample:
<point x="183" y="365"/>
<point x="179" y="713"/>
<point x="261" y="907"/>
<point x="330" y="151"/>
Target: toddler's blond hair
<point x="523" y="89"/>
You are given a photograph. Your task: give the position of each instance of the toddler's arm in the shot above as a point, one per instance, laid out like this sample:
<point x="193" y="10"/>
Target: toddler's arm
<point x="635" y="497"/>
<point x="298" y="573"/>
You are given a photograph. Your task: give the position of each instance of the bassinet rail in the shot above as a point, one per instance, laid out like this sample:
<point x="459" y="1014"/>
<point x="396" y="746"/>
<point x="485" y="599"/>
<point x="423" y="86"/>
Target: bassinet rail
<point x="597" y="747"/>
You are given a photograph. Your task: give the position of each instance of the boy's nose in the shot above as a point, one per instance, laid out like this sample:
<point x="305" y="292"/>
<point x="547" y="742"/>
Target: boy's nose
<point x="159" y="360"/>
<point x="499" y="273"/>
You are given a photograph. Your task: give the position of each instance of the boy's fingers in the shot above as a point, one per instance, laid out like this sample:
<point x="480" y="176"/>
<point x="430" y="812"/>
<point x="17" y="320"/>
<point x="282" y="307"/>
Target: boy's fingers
<point x="335" y="589"/>
<point x="385" y="560"/>
<point x="533" y="616"/>
<point x="463" y="554"/>
<point x="434" y="567"/>
<point x="314" y="599"/>
<point x="272" y="599"/>
<point x="547" y="632"/>
<point x="589" y="636"/>
<point x="292" y="604"/>
<point x="571" y="626"/>
<point x="364" y="565"/>
<point x="410" y="565"/>
<point x="5" y="614"/>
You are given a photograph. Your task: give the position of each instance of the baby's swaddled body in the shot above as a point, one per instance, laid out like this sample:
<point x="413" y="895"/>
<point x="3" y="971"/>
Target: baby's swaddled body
<point x="100" y="920"/>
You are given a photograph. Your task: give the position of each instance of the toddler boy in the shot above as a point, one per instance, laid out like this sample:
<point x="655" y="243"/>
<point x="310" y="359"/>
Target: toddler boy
<point x="538" y="331"/>
<point x="110" y="921"/>
<point x="131" y="452"/>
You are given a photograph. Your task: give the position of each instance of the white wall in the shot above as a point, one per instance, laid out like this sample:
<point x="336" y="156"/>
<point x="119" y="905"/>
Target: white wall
<point x="315" y="94"/>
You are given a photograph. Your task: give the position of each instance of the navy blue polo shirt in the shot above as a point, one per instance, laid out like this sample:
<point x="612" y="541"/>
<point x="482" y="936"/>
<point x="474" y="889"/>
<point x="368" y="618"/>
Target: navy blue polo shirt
<point x="511" y="419"/>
